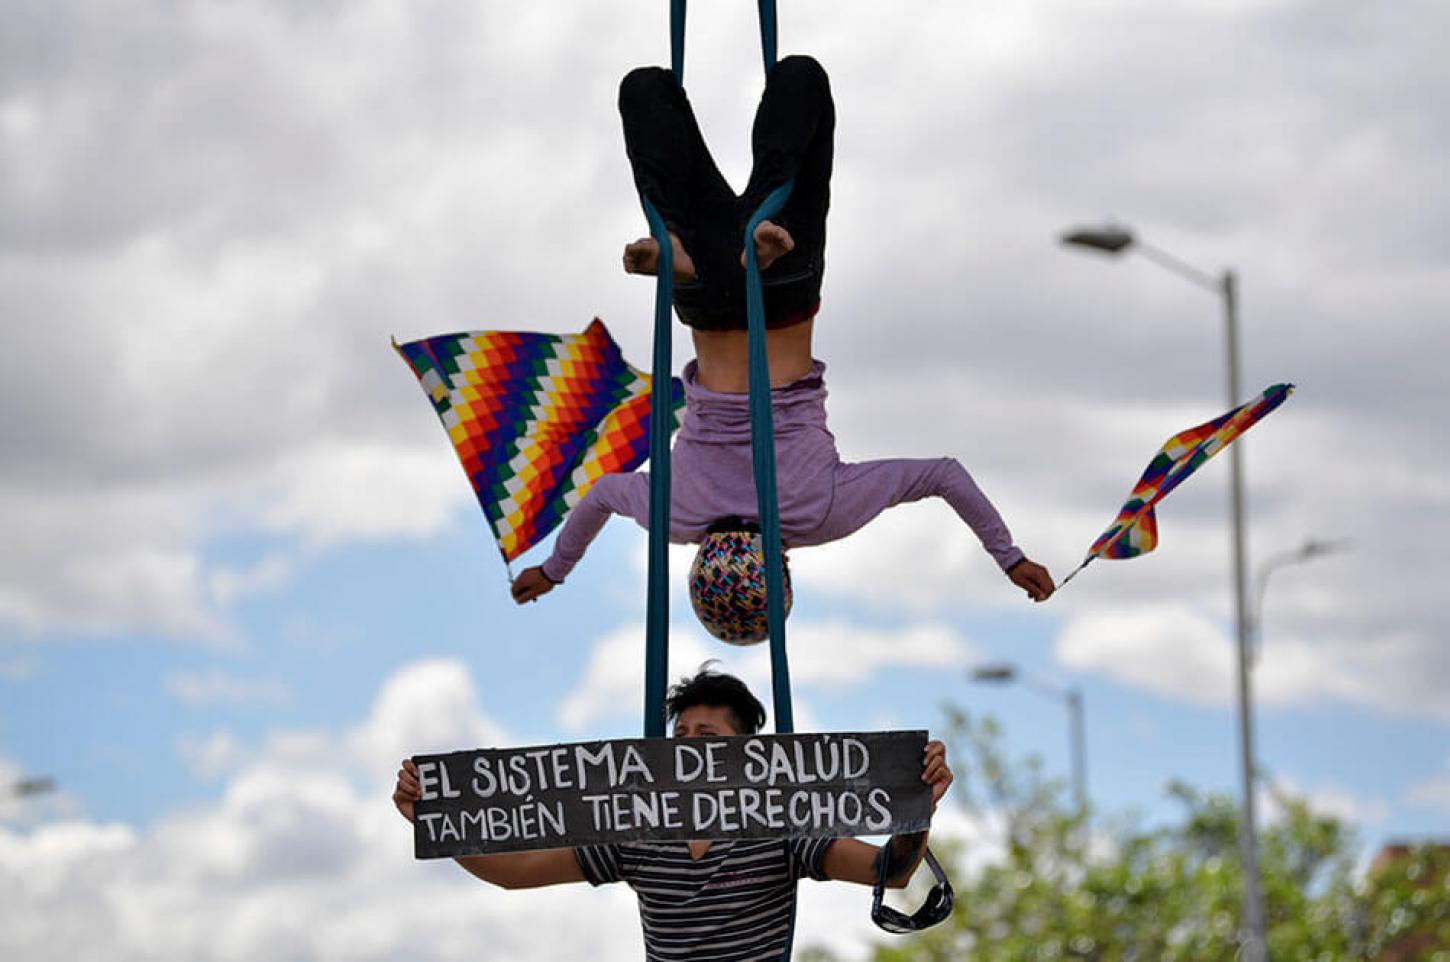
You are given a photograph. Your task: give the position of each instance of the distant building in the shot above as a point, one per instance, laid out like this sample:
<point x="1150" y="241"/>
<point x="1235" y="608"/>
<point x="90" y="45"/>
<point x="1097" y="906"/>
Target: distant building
<point x="1427" y="866"/>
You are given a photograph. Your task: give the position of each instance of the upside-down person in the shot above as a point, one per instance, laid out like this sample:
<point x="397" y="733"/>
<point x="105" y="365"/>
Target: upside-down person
<point x="730" y="901"/>
<point x="713" y="499"/>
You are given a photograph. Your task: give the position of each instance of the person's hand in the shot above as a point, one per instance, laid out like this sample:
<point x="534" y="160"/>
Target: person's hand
<point x="1032" y="578"/>
<point x="531" y="584"/>
<point x="406" y="792"/>
<point x="935" y="771"/>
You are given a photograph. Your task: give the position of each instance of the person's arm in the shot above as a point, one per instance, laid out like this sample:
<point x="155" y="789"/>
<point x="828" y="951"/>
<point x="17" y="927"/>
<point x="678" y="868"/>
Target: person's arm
<point x="865" y="489"/>
<point x="510" y="870"/>
<point x="852" y="860"/>
<point x="611" y="494"/>
<point x="525" y="870"/>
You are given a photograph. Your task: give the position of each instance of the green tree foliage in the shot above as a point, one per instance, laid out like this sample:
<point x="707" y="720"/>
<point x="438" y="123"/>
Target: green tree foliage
<point x="1125" y="893"/>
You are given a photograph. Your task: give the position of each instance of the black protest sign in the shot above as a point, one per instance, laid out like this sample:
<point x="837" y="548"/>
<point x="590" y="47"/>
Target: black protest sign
<point x="752" y="786"/>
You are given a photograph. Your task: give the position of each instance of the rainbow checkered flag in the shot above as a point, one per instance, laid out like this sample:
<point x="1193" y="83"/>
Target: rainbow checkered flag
<point x="1135" y="531"/>
<point x="536" y="419"/>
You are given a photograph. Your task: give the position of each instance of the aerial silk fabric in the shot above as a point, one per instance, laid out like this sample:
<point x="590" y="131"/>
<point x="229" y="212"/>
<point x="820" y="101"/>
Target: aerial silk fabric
<point x="536" y="419"/>
<point x="1135" y="530"/>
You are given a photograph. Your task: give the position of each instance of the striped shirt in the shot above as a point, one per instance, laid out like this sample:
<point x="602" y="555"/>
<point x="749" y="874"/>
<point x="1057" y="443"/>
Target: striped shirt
<point x="732" y="905"/>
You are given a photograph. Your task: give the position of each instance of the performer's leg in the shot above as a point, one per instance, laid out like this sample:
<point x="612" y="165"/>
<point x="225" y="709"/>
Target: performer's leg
<point x="671" y="164"/>
<point x="794" y="137"/>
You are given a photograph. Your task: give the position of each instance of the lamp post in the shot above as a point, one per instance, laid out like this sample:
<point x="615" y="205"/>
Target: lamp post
<point x="1116" y="239"/>
<point x="1307" y="551"/>
<point x="32" y="786"/>
<point x="1071" y="697"/>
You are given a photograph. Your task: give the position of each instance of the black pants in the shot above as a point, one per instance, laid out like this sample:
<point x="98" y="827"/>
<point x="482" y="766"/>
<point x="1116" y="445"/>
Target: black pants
<point x="793" y="137"/>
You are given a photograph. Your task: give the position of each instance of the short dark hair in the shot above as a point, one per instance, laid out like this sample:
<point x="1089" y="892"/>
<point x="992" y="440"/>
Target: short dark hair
<point x="715" y="689"/>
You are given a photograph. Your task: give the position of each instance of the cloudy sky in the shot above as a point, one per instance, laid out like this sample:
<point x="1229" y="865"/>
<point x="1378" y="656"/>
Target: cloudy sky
<point x="243" y="575"/>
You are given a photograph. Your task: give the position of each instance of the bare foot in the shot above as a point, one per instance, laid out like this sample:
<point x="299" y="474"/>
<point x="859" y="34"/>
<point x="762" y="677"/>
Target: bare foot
<point x="772" y="241"/>
<point x="643" y="257"/>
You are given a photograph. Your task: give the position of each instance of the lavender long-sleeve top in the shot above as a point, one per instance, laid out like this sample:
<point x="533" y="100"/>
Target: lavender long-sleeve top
<point x="821" y="497"/>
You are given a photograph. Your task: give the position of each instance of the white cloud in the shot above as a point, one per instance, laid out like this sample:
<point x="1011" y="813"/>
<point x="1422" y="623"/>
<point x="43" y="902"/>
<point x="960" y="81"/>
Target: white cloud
<point x="217" y="687"/>
<point x="229" y="585"/>
<point x="1179" y="652"/>
<point x="19" y="668"/>
<point x="1171" y="650"/>
<point x="374" y="491"/>
<point x="427" y="706"/>
<point x="613" y="681"/>
<point x="1349" y="806"/>
<point x="31" y="798"/>
<point x="915" y="558"/>
<point x="214" y="336"/>
<point x="104" y="562"/>
<point x="1433" y="792"/>
<point x="213" y="755"/>
<point x="613" y="677"/>
<point x="840" y="655"/>
<point x="830" y="655"/>
<point x="302" y="856"/>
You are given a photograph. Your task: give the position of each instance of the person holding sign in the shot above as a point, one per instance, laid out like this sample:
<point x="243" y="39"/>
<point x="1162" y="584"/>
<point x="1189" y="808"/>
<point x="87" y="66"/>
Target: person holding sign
<point x="729" y="900"/>
<point x="822" y="498"/>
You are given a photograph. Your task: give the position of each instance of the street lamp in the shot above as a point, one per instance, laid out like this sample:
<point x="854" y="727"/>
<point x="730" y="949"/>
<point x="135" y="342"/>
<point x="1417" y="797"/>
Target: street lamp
<point x="1307" y="551"/>
<point x="1114" y="239"/>
<point x="1005" y="672"/>
<point x="32" y="786"/>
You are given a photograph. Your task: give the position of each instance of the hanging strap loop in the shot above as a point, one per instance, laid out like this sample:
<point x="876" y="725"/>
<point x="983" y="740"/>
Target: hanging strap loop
<point x="762" y="448"/>
<point x="661" y="419"/>
<point x="677" y="37"/>
<point x="767" y="33"/>
<point x="677" y="40"/>
<point x="762" y="438"/>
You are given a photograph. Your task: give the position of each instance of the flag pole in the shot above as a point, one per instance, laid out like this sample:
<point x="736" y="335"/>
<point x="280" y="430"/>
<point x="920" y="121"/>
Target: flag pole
<point x="1072" y="575"/>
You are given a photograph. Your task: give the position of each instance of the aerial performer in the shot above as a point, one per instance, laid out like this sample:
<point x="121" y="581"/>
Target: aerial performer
<point x="713" y="498"/>
<point x="727" y="900"/>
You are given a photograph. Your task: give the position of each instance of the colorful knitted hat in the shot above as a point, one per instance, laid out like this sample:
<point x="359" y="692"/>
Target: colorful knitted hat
<point x="727" y="586"/>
